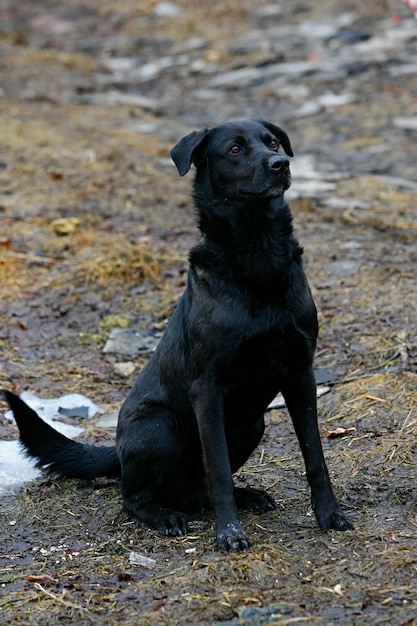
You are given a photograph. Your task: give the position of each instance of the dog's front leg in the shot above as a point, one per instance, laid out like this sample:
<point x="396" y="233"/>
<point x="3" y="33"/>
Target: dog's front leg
<point x="299" y="392"/>
<point x="207" y="401"/>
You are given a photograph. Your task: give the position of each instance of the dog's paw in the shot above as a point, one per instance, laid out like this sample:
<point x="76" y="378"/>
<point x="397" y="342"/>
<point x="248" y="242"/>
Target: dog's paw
<point x="339" y="521"/>
<point x="232" y="538"/>
<point x="333" y="520"/>
<point x="171" y="523"/>
<point x="253" y="500"/>
<point x="166" y="521"/>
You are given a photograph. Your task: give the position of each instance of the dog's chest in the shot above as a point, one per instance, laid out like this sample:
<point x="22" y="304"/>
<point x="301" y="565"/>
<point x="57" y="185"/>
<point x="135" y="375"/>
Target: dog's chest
<point x="252" y="372"/>
<point x="263" y="343"/>
<point x="270" y="347"/>
<point x="246" y="332"/>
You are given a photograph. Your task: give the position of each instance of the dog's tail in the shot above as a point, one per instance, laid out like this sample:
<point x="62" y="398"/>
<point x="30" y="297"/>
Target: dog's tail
<point x="56" y="454"/>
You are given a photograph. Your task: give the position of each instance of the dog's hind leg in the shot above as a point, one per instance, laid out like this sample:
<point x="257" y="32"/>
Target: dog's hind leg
<point x="153" y="474"/>
<point x="299" y="392"/>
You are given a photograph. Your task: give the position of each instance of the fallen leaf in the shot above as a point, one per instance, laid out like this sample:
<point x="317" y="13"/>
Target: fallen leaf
<point x="340" y="432"/>
<point x="43" y="578"/>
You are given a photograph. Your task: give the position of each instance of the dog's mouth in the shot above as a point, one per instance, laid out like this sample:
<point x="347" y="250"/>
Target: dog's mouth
<point x="270" y="190"/>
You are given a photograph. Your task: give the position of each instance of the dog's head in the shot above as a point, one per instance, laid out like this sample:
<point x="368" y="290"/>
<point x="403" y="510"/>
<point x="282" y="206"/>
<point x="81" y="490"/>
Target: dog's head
<point x="240" y="159"/>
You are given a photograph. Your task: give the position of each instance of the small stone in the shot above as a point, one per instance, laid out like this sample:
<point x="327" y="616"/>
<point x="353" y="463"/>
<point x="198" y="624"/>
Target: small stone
<point x="310" y="189"/>
<point x="308" y="109"/>
<point x="65" y="226"/>
<point x="408" y="123"/>
<point x="335" y="99"/>
<point x="342" y="268"/>
<point x="206" y="95"/>
<point x="80" y="411"/>
<point x="167" y="9"/>
<point x="268" y="10"/>
<point x="319" y="29"/>
<point x="108" y="421"/>
<point x="124" y="369"/>
<point x="146" y="128"/>
<point x="131" y="341"/>
<point x="121" y="64"/>
<point x="115" y="98"/>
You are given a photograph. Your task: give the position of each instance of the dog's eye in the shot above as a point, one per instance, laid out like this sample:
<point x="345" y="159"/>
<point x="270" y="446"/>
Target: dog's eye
<point x="235" y="149"/>
<point x="274" y="144"/>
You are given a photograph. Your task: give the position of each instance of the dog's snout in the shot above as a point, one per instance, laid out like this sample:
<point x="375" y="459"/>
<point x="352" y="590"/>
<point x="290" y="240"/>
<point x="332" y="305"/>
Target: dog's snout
<point x="279" y="163"/>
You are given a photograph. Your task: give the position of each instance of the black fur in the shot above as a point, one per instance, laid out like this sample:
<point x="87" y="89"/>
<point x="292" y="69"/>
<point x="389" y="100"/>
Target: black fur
<point x="244" y="329"/>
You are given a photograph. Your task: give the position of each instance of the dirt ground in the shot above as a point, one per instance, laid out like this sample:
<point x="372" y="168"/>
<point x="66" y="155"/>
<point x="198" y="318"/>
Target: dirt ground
<point x="95" y="225"/>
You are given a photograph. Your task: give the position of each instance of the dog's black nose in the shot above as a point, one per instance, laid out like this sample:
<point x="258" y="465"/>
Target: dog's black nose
<point x="278" y="163"/>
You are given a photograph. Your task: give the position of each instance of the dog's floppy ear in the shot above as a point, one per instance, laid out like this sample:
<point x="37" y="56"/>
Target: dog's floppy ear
<point x="183" y="154"/>
<point x="279" y="134"/>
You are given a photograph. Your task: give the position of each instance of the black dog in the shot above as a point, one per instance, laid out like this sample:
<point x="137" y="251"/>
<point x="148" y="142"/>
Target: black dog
<point x="244" y="329"/>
